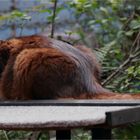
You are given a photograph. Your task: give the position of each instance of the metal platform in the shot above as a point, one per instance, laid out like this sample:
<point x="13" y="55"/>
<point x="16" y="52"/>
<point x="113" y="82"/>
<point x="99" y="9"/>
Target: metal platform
<point x="62" y="115"/>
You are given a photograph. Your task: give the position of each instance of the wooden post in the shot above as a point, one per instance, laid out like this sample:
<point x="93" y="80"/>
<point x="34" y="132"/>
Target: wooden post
<point x="13" y="26"/>
<point x="63" y="135"/>
<point x="101" y="134"/>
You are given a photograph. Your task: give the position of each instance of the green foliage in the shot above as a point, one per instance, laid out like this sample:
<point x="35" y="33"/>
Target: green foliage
<point x="116" y="29"/>
<point x="22" y="135"/>
<point x="15" y="15"/>
<point x="80" y="134"/>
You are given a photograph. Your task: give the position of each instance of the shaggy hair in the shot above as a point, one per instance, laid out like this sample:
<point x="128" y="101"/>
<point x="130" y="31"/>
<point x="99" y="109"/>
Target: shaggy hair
<point x="37" y="67"/>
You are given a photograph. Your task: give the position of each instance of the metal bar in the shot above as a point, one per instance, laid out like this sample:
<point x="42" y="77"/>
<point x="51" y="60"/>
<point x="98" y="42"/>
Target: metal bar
<point x="63" y="135"/>
<point x="66" y="102"/>
<point x="101" y="134"/>
<point x="123" y="117"/>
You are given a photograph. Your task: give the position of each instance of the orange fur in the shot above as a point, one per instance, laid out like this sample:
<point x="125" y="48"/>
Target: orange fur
<point x="36" y="67"/>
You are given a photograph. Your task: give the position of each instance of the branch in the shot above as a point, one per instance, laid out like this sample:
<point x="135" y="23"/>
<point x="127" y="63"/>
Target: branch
<point x="5" y="134"/>
<point x="53" y="18"/>
<point x="134" y="43"/>
<point x="126" y="62"/>
<point x="133" y="54"/>
<point x="128" y="21"/>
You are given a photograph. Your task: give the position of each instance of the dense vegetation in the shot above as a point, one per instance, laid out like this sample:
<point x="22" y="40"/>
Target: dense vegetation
<point x="111" y="28"/>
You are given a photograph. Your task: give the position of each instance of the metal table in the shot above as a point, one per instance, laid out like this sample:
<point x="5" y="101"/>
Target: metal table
<point x="100" y="116"/>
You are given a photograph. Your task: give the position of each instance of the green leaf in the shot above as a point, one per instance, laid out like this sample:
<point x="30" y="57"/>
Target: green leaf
<point x="46" y="11"/>
<point x="87" y="5"/>
<point x="129" y="33"/>
<point x="59" y="9"/>
<point x="104" y="21"/>
<point x="135" y="24"/>
<point x="80" y="1"/>
<point x="104" y="10"/>
<point x="123" y="19"/>
<point x="26" y="17"/>
<point x="91" y="22"/>
<point x="112" y="43"/>
<point x="130" y="70"/>
<point x="17" y="13"/>
<point x="120" y="34"/>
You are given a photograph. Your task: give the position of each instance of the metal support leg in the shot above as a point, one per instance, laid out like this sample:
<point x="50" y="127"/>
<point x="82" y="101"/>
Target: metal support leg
<point x="101" y="134"/>
<point x="63" y="135"/>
